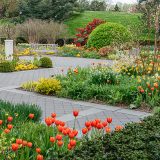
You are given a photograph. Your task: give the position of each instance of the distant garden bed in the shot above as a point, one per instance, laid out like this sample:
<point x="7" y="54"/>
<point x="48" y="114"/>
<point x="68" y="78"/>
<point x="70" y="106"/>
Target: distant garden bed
<point x="22" y="65"/>
<point x="133" y="83"/>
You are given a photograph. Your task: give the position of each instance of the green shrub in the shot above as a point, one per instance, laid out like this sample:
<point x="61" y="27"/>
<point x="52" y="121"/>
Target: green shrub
<point x="7" y="66"/>
<point x="104" y="76"/>
<point x="29" y="86"/>
<point x="48" y="86"/>
<point x="92" y="54"/>
<point x="46" y="62"/>
<point x="98" y="84"/>
<point x="19" y="112"/>
<point x="108" y="34"/>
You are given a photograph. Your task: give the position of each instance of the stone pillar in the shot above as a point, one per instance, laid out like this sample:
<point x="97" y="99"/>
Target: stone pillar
<point x="9" y="49"/>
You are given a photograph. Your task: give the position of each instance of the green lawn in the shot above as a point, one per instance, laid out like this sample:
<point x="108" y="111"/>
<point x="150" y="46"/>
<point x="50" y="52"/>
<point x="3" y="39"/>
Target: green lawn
<point x="127" y="19"/>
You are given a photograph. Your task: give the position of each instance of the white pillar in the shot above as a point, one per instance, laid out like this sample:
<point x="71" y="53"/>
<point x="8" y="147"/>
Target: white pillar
<point x="9" y="48"/>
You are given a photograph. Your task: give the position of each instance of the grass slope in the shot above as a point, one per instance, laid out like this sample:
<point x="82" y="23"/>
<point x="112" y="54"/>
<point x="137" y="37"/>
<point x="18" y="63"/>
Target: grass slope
<point x="78" y="21"/>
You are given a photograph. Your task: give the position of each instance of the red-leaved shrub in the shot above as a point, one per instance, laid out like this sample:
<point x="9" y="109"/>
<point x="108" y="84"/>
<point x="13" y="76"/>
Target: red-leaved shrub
<point x="83" y="33"/>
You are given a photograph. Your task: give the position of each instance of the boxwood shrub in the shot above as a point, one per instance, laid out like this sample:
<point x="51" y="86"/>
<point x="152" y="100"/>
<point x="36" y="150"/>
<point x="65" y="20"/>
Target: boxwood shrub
<point x="108" y="34"/>
<point x="7" y="66"/>
<point x="46" y="62"/>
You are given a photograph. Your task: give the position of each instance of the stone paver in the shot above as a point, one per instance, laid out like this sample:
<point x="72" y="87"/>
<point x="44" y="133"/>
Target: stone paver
<point x="9" y="82"/>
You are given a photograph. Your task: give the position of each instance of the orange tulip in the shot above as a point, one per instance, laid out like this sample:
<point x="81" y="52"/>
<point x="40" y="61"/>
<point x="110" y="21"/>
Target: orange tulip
<point x="9" y="119"/>
<point x="48" y="121"/>
<point x="72" y="143"/>
<point x="15" y="147"/>
<point x="60" y="143"/>
<point x="108" y="130"/>
<point x="38" y="150"/>
<point x="118" y="128"/>
<point x="1" y="122"/>
<point x="29" y="144"/>
<point x="52" y="139"/>
<point x="39" y="157"/>
<point x="19" y="141"/>
<point x="31" y="116"/>
<point x="24" y="143"/>
<point x="9" y="126"/>
<point x="6" y="131"/>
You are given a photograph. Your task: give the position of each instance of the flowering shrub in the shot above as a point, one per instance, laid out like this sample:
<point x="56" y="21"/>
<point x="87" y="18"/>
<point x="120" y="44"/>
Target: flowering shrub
<point x="83" y="33"/>
<point x="22" y="67"/>
<point x="104" y="51"/>
<point x="48" y="86"/>
<point x="25" y="52"/>
<point x="144" y="64"/>
<point x="103" y="75"/>
<point x="73" y="51"/>
<point x="149" y="90"/>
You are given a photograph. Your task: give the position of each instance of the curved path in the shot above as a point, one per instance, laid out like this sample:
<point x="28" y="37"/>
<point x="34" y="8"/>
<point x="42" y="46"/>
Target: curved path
<point x="9" y="82"/>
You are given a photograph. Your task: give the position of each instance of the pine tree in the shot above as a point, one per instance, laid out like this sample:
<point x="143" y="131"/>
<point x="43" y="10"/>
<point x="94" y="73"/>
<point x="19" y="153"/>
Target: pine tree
<point x="116" y="8"/>
<point x="47" y="9"/>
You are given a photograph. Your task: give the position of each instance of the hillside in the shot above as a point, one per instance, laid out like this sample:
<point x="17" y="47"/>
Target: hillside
<point x="78" y="21"/>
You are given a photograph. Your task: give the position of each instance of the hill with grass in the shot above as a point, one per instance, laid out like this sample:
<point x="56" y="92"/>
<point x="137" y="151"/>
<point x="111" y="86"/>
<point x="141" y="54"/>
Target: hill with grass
<point x="80" y="20"/>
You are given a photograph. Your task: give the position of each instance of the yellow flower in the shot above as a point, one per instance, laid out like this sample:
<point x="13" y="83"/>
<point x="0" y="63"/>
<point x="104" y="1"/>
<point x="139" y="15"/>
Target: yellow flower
<point x="149" y="69"/>
<point x="78" y="55"/>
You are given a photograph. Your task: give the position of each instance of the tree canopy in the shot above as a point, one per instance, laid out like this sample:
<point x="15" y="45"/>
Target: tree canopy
<point x="40" y="9"/>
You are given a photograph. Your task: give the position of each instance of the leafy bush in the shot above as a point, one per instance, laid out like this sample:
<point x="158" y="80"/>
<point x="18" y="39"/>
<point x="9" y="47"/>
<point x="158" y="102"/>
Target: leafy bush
<point x="105" y="51"/>
<point x="73" y="51"/>
<point x="29" y="86"/>
<point x="104" y="76"/>
<point x="69" y="51"/>
<point x="97" y="84"/>
<point x="82" y="36"/>
<point x="46" y="62"/>
<point x="108" y="34"/>
<point x="7" y="66"/>
<point x="48" y="86"/>
<point x="91" y="54"/>
<point x="19" y="112"/>
<point x="137" y="141"/>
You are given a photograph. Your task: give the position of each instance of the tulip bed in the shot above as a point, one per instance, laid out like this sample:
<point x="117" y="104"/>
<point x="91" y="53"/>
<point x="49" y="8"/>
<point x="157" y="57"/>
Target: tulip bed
<point x="53" y="140"/>
<point x="30" y="139"/>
